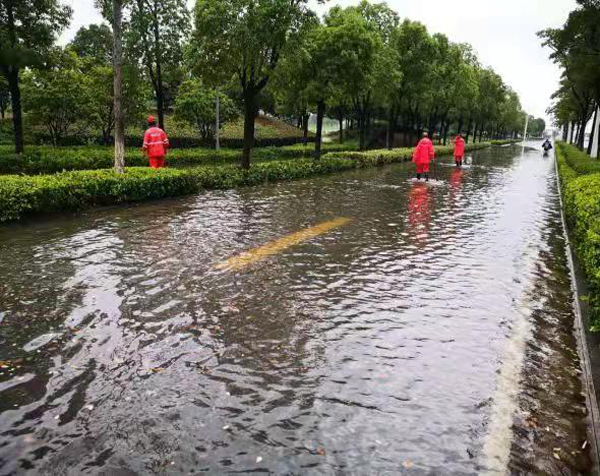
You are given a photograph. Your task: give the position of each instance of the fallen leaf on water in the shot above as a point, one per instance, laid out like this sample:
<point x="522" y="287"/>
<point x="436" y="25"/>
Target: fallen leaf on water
<point x="557" y="456"/>
<point x="321" y="451"/>
<point x="258" y="459"/>
<point x="584" y="445"/>
<point x="226" y="427"/>
<point x="407" y="464"/>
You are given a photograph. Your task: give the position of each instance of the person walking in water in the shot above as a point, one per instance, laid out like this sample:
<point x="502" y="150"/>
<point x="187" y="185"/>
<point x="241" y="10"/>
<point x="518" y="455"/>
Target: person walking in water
<point x="422" y="156"/>
<point x="156" y="143"/>
<point x="459" y="150"/>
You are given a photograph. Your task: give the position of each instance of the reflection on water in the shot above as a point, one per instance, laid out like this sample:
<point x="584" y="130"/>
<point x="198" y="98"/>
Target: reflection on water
<point x="374" y="347"/>
<point x="419" y="214"/>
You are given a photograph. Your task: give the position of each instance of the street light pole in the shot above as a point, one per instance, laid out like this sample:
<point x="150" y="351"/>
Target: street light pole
<point x="217" y="145"/>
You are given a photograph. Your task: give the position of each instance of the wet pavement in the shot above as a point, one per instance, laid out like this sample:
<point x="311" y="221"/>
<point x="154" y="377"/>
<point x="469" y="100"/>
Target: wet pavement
<point x="356" y="323"/>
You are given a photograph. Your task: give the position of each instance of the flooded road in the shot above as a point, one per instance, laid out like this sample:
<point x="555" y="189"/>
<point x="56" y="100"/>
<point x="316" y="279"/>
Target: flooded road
<point x="357" y="323"/>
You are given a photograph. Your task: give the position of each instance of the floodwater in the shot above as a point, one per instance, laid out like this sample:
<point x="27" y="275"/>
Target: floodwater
<point x="380" y="326"/>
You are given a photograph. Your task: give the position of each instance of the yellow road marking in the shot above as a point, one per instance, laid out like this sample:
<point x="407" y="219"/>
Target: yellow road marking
<point x="249" y="257"/>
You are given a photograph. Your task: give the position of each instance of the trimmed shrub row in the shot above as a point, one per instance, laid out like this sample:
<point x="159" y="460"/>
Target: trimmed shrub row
<point x="401" y="154"/>
<point x="580" y="162"/>
<point x="49" y="160"/>
<point x="504" y="142"/>
<point x="581" y="198"/>
<point x="76" y="190"/>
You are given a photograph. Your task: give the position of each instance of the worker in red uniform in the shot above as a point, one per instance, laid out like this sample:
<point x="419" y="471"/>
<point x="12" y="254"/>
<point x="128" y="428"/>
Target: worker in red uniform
<point x="459" y="150"/>
<point x="156" y="143"/>
<point x="424" y="153"/>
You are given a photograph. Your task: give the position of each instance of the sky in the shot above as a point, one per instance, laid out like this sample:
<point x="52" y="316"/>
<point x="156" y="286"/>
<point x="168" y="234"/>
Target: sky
<point x="502" y="32"/>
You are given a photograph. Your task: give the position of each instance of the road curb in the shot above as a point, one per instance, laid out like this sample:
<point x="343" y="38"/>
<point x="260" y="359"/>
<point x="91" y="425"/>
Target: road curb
<point x="583" y="337"/>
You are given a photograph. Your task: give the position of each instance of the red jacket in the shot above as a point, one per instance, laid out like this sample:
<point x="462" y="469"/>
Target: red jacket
<point x="459" y="147"/>
<point x="424" y="152"/>
<point x="155" y="143"/>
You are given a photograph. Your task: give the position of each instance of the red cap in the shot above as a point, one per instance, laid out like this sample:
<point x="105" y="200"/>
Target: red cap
<point x="151" y="119"/>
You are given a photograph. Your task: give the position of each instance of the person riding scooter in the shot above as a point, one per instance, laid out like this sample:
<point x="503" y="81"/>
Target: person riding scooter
<point x="546" y="146"/>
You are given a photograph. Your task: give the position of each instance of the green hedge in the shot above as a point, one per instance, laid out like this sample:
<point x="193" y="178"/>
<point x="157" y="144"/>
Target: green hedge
<point x="402" y="154"/>
<point x="579" y="161"/>
<point x="504" y="142"/>
<point x="39" y="160"/>
<point x="581" y="199"/>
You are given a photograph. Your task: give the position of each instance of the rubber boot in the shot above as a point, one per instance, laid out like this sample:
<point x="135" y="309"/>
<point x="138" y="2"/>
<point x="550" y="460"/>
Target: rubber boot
<point x="418" y="176"/>
<point x="426" y="177"/>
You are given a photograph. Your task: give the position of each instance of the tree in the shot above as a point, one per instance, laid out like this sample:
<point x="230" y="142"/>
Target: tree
<point x="245" y="38"/>
<point x="195" y="105"/>
<point x="99" y="84"/>
<point x="4" y="96"/>
<point x="95" y="42"/>
<point x="414" y="48"/>
<point x="56" y="97"/>
<point x="370" y="65"/>
<point x="27" y="25"/>
<point x="156" y="34"/>
<point x="537" y="126"/>
<point x="576" y="49"/>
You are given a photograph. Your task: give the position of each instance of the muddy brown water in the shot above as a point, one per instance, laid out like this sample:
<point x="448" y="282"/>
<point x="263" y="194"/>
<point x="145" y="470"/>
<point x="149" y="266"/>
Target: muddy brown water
<point x="432" y="334"/>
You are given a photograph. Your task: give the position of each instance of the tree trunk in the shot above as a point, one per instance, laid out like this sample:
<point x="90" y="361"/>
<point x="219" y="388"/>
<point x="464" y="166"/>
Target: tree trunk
<point x="249" y="116"/>
<point x="445" y="127"/>
<point x="341" y="121"/>
<point x="367" y="129"/>
<point x="565" y="132"/>
<point x="481" y="133"/>
<point x="592" y="133"/>
<point x="118" y="87"/>
<point x="15" y="96"/>
<point x="579" y="135"/>
<point x="460" y="125"/>
<point x="160" y="97"/>
<point x="469" y="130"/>
<point x="305" y="119"/>
<point x="319" y="138"/>
<point x="390" y="130"/>
<point x="572" y="127"/>
<point x="361" y="130"/>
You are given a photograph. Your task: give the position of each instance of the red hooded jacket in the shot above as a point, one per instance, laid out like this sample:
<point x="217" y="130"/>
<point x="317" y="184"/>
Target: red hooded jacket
<point x="156" y="143"/>
<point x="424" y="152"/>
<point x="459" y="147"/>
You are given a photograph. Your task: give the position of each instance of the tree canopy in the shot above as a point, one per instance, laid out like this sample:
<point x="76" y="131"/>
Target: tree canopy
<point x="576" y="50"/>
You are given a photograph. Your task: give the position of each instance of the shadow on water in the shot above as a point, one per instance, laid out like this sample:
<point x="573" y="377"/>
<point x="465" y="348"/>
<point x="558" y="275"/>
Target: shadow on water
<point x="378" y="346"/>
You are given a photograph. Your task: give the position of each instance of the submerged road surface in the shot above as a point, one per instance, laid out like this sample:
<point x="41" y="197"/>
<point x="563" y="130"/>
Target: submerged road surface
<point x="357" y="323"/>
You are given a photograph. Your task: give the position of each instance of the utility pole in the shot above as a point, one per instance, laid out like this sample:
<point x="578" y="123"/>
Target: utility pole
<point x="217" y="144"/>
<point x="525" y="132"/>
